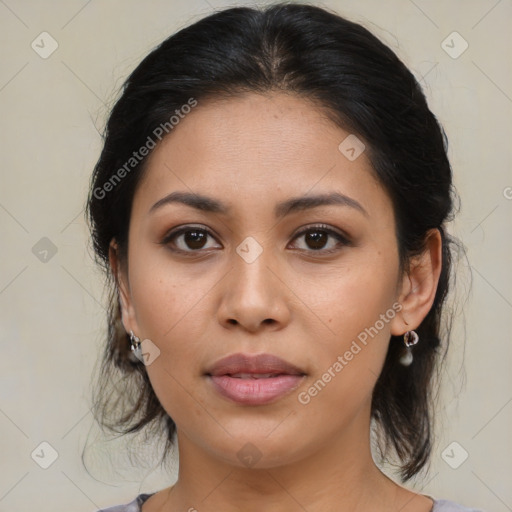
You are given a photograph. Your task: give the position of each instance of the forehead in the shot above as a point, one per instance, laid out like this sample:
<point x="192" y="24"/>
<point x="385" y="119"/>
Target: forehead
<point x="257" y="145"/>
<point x="275" y="126"/>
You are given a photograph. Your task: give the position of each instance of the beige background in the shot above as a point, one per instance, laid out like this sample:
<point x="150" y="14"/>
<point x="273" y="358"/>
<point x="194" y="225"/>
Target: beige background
<point x="52" y="318"/>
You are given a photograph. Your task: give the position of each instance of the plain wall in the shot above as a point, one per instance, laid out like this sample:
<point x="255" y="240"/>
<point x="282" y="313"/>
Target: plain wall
<point x="52" y="303"/>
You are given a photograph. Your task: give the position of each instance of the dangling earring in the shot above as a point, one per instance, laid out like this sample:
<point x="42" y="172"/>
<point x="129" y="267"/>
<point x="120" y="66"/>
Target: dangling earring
<point x="410" y="339"/>
<point x="135" y="346"/>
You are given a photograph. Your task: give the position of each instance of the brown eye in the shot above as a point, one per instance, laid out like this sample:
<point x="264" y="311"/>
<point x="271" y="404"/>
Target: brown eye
<point x="195" y="239"/>
<point x="316" y="239"/>
<point x="320" y="238"/>
<point x="189" y="239"/>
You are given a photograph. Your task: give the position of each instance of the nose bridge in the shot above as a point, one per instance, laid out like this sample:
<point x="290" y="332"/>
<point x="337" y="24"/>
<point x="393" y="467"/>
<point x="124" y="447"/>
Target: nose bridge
<point x="252" y="277"/>
<point x="251" y="266"/>
<point x="253" y="295"/>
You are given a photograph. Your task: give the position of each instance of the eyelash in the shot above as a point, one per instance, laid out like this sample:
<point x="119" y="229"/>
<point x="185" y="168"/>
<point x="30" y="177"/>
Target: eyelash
<point x="342" y="240"/>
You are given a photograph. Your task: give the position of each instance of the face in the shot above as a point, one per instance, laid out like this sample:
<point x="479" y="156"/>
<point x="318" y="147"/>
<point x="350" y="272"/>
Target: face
<point x="259" y="269"/>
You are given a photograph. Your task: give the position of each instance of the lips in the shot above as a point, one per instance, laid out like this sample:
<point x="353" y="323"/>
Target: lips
<point x="254" y="379"/>
<point x="243" y="365"/>
<point x="254" y="375"/>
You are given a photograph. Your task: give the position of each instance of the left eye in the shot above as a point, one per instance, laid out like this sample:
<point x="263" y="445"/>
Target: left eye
<point x="317" y="238"/>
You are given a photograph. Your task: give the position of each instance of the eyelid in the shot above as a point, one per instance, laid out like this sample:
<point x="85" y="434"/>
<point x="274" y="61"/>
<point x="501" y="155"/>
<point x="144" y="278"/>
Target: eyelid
<point x="179" y="230"/>
<point x="323" y="227"/>
<point x="343" y="238"/>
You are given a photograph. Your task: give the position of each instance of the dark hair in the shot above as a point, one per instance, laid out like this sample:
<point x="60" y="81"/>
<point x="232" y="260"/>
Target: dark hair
<point x="365" y="89"/>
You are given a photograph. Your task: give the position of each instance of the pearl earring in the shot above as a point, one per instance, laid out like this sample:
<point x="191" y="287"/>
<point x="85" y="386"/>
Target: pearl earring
<point x="410" y="339"/>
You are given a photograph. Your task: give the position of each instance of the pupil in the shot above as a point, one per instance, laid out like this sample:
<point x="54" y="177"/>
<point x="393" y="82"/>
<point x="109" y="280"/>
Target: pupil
<point x="195" y="239"/>
<point x="316" y="239"/>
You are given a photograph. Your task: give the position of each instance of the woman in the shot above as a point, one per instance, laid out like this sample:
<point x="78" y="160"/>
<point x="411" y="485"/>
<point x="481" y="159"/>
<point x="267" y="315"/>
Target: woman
<point x="270" y="208"/>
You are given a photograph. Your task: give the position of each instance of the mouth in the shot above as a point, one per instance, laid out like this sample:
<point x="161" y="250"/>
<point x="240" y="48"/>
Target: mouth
<point x="254" y="379"/>
<point x="255" y="375"/>
<point x="253" y="366"/>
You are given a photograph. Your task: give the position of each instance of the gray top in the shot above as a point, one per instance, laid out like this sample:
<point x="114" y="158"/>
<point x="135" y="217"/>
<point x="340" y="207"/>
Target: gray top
<point x="439" y="506"/>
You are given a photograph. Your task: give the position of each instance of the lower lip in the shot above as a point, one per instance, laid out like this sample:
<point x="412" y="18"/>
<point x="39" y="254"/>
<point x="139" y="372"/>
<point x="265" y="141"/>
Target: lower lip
<point x="255" y="391"/>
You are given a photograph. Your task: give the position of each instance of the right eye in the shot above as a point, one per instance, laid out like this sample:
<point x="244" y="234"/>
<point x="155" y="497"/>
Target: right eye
<point x="188" y="239"/>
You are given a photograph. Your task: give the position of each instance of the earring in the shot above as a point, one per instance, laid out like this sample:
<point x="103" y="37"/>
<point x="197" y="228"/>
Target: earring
<point x="135" y="347"/>
<point x="410" y="339"/>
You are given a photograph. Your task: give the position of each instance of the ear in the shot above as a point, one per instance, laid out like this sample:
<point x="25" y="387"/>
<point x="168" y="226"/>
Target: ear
<point x="119" y="271"/>
<point x="419" y="285"/>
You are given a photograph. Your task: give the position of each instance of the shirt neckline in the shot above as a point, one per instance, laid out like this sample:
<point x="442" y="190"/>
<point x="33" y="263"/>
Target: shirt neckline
<point x="142" y="498"/>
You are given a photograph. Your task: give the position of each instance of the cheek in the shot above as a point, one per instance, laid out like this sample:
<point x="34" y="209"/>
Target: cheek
<point x="171" y="314"/>
<point x="347" y="368"/>
<point x="166" y="297"/>
<point x="357" y="311"/>
<point x="353" y="300"/>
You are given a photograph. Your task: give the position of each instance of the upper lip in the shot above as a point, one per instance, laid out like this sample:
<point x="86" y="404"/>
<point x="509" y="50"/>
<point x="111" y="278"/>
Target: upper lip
<point x="257" y="364"/>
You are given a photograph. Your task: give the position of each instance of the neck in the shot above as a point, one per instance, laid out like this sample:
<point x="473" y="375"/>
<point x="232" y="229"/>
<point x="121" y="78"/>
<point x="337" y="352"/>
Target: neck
<point x="340" y="476"/>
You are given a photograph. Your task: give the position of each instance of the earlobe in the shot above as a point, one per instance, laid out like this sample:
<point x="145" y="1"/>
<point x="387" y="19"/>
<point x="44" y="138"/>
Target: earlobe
<point x="419" y="285"/>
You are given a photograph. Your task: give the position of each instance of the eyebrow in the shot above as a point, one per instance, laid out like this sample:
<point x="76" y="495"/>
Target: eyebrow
<point x="295" y="204"/>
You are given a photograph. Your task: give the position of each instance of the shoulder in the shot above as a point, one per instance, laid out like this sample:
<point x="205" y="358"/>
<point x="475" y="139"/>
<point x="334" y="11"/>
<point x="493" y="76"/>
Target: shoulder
<point x="451" y="506"/>
<point x="133" y="506"/>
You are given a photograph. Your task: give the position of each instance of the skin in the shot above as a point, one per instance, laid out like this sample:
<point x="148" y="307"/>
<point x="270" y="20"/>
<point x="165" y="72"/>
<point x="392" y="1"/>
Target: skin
<point x="301" y="304"/>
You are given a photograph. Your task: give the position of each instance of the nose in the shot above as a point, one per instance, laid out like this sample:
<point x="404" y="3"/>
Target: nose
<point x="253" y="296"/>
